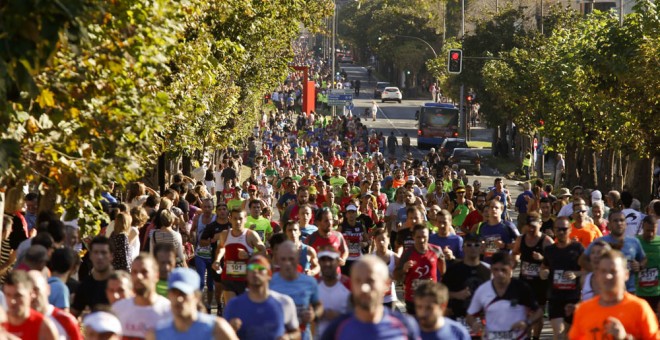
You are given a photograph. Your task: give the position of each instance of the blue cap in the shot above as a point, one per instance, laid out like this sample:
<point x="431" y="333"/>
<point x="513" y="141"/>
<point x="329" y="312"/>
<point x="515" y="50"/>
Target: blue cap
<point x="184" y="279"/>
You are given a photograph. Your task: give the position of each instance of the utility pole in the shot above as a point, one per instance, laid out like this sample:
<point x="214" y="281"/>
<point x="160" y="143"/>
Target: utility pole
<point x="463" y="19"/>
<point x="620" y="12"/>
<point x="334" y="51"/>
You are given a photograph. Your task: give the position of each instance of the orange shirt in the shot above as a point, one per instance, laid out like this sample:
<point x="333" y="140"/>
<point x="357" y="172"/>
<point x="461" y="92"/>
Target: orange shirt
<point x="397" y="183"/>
<point x="585" y="235"/>
<point x="634" y="313"/>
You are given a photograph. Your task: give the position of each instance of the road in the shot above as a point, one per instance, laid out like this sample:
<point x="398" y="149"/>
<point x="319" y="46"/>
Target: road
<point x="400" y="118"/>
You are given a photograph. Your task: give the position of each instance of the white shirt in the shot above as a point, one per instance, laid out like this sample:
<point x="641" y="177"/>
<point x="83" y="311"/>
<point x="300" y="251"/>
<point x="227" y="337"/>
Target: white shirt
<point x="633" y="222"/>
<point x="219" y="185"/>
<point x="136" y="320"/>
<point x="566" y="211"/>
<point x="334" y="298"/>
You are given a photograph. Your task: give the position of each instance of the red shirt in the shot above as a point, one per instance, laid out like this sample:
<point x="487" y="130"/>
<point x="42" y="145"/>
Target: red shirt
<point x="68" y="323"/>
<point x="425" y="268"/>
<point x="29" y="329"/>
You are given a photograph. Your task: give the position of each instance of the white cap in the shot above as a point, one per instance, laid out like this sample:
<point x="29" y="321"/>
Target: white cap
<point x="596" y="196"/>
<point x="351" y="207"/>
<point x="103" y="322"/>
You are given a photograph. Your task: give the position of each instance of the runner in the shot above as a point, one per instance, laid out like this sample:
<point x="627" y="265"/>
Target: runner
<point x="647" y="278"/>
<point x="391" y="259"/>
<point x="102" y="326"/>
<point x="308" y="262"/>
<point x="236" y="245"/>
<point x="422" y="262"/>
<point x="67" y="326"/>
<point x="355" y="235"/>
<point x="262" y="313"/>
<point x="212" y="233"/>
<point x="531" y="247"/>
<point x="582" y="230"/>
<point x="451" y="244"/>
<point x="370" y="319"/>
<point x="204" y="249"/>
<point x="334" y="289"/>
<point x="188" y="323"/>
<point x="301" y="288"/>
<point x="325" y="236"/>
<point x="23" y="321"/>
<point x="141" y="313"/>
<point x="497" y="235"/>
<point x="507" y="303"/>
<point x="119" y="286"/>
<point x="87" y="294"/>
<point x="560" y="267"/>
<point x="614" y="313"/>
<point x="430" y="304"/>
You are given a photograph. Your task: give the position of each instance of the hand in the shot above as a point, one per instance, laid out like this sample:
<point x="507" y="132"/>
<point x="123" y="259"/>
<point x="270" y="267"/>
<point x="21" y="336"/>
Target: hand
<point x="537" y="256"/>
<point x="634" y="265"/>
<point x="448" y="253"/>
<point x="463" y="294"/>
<point x="408" y="265"/>
<point x="615" y="328"/>
<point x="544" y="273"/>
<point x="307" y="315"/>
<point x="215" y="266"/>
<point x="236" y="324"/>
<point x="477" y="327"/>
<point x="243" y="255"/>
<point x="570" y="275"/>
<point x="519" y="326"/>
<point x="499" y="244"/>
<point x="342" y="261"/>
<point x="569" y="309"/>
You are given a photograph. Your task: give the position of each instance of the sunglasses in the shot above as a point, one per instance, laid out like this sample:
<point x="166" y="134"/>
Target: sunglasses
<point x="563" y="230"/>
<point x="581" y="211"/>
<point x="472" y="245"/>
<point x="255" y="267"/>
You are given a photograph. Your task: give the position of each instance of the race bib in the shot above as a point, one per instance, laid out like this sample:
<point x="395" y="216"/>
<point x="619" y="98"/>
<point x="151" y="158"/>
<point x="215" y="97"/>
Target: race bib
<point x="236" y="268"/>
<point x="648" y="277"/>
<point x="530" y="269"/>
<point x="204" y="252"/>
<point x="354" y="250"/>
<point x="491" y="246"/>
<point x="502" y="335"/>
<point x="562" y="283"/>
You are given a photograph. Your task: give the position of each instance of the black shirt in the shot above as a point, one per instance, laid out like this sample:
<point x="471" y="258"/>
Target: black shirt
<point x="559" y="260"/>
<point x="404" y="238"/>
<point x="459" y="276"/>
<point x="228" y="173"/>
<point x="90" y="293"/>
<point x="211" y="229"/>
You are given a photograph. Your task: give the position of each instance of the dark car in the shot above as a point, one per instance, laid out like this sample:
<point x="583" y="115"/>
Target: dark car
<point x="467" y="159"/>
<point x="449" y="144"/>
<point x="380" y="86"/>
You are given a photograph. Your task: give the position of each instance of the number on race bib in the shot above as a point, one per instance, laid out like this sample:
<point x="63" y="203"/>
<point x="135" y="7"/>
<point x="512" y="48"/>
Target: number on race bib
<point x="562" y="283"/>
<point x="354" y="250"/>
<point x="236" y="268"/>
<point x="503" y="335"/>
<point x="530" y="269"/>
<point x="648" y="277"/>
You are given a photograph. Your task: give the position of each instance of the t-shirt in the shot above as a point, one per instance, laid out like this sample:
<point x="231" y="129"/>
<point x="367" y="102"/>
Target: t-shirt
<point x="559" y="260"/>
<point x="450" y="330"/>
<point x="335" y="298"/>
<point x="637" y="318"/>
<point x="647" y="278"/>
<point x="90" y="293"/>
<point x="585" y="235"/>
<point x="393" y="326"/>
<point x="304" y="292"/>
<point x="503" y="311"/>
<point x="633" y="221"/>
<point x="490" y="234"/>
<point x="454" y="242"/>
<point x="59" y="293"/>
<point x="460" y="276"/>
<point x="425" y="268"/>
<point x="136" y="320"/>
<point x="261" y="225"/>
<point x="631" y="248"/>
<point x="265" y="320"/>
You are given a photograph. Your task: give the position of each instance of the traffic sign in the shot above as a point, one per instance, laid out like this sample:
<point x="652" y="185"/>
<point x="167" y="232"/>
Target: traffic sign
<point x="340" y="97"/>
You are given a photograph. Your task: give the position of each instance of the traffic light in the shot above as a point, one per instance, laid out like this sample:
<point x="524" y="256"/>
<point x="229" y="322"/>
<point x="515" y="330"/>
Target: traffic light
<point x="469" y="99"/>
<point x="455" y="61"/>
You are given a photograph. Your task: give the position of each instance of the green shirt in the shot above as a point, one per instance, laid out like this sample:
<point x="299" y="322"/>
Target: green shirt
<point x="261" y="226"/>
<point x="336" y="183"/>
<point x="234" y="203"/>
<point x="647" y="279"/>
<point x="390" y="193"/>
<point x="296" y="178"/>
<point x="161" y="288"/>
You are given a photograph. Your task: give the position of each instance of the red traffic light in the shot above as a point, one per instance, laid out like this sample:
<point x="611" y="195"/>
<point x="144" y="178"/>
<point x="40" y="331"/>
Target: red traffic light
<point x="455" y="56"/>
<point x="541" y="122"/>
<point x="468" y="98"/>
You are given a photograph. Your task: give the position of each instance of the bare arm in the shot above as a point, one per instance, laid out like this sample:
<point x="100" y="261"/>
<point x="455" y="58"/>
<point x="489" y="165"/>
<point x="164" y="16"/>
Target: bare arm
<point x="223" y="330"/>
<point x="255" y="242"/>
<point x="314" y="267"/>
<point x="516" y="246"/>
<point x="47" y="331"/>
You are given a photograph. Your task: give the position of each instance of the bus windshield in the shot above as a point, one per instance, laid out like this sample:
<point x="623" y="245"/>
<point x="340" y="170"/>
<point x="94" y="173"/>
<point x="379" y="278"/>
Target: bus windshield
<point x="436" y="116"/>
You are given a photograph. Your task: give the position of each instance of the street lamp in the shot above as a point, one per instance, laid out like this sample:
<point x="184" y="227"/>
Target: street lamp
<point x="435" y="55"/>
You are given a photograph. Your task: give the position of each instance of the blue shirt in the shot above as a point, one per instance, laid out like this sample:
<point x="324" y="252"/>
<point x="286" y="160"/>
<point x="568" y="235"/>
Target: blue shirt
<point x="454" y="242"/>
<point x="632" y="250"/>
<point x="59" y="293"/>
<point x="307" y="230"/>
<point x="202" y="328"/>
<point x="392" y="326"/>
<point x="304" y="292"/>
<point x="521" y="203"/>
<point x="263" y="320"/>
<point x="491" y="234"/>
<point x="450" y="330"/>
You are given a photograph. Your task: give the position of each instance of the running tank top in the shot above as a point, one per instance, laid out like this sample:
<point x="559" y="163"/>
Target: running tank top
<point x="207" y="251"/>
<point x="303" y="261"/>
<point x="202" y="328"/>
<point x="390" y="294"/>
<point x="529" y="267"/>
<point x="587" y="291"/>
<point x="236" y="268"/>
<point x="29" y="329"/>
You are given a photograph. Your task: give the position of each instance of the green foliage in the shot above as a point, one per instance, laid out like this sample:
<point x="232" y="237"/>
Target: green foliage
<point x="104" y="87"/>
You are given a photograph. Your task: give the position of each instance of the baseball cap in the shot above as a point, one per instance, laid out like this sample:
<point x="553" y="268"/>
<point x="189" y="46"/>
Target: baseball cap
<point x="184" y="279"/>
<point x="252" y="187"/>
<point x="351" y="207"/>
<point x="103" y="322"/>
<point x="596" y="196"/>
<point x="328" y="253"/>
<point x="460" y="189"/>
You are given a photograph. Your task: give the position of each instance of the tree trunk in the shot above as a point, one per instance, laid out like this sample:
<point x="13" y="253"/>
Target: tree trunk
<point x="589" y="173"/>
<point x="571" y="165"/>
<point x="187" y="165"/>
<point x="640" y="179"/>
<point x="617" y="182"/>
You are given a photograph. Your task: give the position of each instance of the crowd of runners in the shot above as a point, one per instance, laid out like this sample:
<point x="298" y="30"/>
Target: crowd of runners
<point x="320" y="240"/>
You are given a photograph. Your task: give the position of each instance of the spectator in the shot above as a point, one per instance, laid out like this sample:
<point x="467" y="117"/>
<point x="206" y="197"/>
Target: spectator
<point x="121" y="259"/>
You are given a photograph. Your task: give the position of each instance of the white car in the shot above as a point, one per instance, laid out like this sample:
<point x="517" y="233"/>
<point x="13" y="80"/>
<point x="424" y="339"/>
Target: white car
<point x="391" y="93"/>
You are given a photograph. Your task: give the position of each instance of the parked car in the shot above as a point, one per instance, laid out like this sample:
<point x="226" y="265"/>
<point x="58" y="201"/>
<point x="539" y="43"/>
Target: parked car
<point x="449" y="144"/>
<point x="380" y="86"/>
<point x="347" y="60"/>
<point x="391" y="94"/>
<point x="467" y="159"/>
